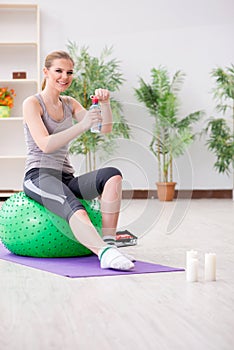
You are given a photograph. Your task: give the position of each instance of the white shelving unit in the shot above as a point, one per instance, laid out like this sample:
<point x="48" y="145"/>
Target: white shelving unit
<point x="19" y="52"/>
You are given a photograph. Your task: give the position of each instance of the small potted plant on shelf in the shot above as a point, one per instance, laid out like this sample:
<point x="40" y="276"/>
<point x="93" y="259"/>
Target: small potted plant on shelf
<point x="6" y="101"/>
<point x="91" y="73"/>
<point x="171" y="135"/>
<point x="220" y="130"/>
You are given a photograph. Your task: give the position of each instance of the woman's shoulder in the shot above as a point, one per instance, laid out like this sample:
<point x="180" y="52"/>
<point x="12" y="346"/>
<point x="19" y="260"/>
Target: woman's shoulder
<point x="32" y="103"/>
<point x="32" y="99"/>
<point x="71" y="102"/>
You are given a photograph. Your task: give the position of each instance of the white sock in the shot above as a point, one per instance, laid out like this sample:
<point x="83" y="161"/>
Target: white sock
<point x="111" y="258"/>
<point x="111" y="240"/>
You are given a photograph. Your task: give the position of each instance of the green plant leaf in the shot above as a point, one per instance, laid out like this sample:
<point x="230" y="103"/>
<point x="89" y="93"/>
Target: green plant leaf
<point x="220" y="136"/>
<point x="171" y="134"/>
<point x="90" y="73"/>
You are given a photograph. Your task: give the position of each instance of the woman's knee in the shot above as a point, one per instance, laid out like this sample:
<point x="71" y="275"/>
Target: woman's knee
<point x="112" y="171"/>
<point x="106" y="174"/>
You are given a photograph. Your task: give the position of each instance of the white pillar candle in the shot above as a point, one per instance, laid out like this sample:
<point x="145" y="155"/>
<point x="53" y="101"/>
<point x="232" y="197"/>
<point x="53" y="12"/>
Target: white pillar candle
<point x="192" y="270"/>
<point x="210" y="267"/>
<point x="191" y="254"/>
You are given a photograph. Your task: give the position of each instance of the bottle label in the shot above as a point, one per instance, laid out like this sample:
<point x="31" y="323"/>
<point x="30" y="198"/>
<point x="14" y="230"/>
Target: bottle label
<point x="96" y="128"/>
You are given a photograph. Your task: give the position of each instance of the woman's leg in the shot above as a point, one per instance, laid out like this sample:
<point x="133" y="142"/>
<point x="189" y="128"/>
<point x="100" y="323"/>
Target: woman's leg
<point x="107" y="183"/>
<point x="110" y="205"/>
<point x="51" y="192"/>
<point x="86" y="234"/>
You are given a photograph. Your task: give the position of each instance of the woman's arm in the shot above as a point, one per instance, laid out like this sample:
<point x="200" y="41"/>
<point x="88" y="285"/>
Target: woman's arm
<point x="107" y="118"/>
<point x="49" y="143"/>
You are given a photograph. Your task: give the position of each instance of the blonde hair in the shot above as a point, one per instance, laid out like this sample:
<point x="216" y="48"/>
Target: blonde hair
<point x="50" y="59"/>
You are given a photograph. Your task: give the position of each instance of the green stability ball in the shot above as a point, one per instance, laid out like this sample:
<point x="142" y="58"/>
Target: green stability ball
<point x="27" y="228"/>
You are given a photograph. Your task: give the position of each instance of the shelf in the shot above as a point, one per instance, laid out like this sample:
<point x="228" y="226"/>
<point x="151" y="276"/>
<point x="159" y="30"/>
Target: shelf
<point x="19" y="58"/>
<point x="19" y="52"/>
<point x="11" y="119"/>
<point x="12" y="81"/>
<point x="23" y="89"/>
<point x="15" y="43"/>
<point x="21" y="21"/>
<point x="18" y="6"/>
<point x="12" y="157"/>
<point x="12" y="173"/>
<point x="7" y="193"/>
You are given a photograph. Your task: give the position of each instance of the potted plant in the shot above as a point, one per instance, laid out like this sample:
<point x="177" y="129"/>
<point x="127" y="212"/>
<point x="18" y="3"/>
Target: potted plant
<point x="221" y="130"/>
<point x="6" y="101"/>
<point x="171" y="134"/>
<point x="91" y="73"/>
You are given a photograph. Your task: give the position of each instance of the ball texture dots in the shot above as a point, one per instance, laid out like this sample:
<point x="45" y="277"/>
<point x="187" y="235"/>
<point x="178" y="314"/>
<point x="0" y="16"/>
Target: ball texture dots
<point x="28" y="228"/>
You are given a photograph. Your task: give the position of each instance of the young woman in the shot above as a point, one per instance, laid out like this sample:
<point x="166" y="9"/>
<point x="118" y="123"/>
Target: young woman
<point x="49" y="177"/>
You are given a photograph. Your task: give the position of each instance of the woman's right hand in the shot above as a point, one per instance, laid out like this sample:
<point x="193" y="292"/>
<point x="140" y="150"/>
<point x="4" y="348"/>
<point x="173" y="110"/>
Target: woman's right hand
<point x="91" y="118"/>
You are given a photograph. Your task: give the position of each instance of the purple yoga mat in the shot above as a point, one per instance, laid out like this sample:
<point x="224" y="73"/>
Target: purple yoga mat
<point x="87" y="266"/>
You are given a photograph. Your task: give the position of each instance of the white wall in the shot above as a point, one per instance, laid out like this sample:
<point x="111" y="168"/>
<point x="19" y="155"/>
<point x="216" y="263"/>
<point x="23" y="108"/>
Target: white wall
<point x="194" y="36"/>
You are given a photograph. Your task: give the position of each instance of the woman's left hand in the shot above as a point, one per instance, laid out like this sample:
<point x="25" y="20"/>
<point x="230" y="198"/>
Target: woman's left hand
<point x="103" y="95"/>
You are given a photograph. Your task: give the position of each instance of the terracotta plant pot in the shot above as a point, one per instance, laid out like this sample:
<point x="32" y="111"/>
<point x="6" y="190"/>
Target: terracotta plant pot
<point x="166" y="191"/>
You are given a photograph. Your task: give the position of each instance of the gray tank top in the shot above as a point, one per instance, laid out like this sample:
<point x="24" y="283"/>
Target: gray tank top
<point x="59" y="159"/>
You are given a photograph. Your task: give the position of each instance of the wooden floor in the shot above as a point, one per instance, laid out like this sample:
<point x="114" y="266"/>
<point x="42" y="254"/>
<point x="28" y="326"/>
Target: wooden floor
<point x="39" y="310"/>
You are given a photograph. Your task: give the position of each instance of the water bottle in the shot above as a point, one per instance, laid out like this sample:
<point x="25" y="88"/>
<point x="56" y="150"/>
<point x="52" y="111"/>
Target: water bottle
<point x="95" y="128"/>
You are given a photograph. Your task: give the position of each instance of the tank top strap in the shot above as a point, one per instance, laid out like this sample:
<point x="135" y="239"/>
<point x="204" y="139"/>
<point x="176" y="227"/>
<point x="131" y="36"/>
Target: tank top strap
<point x="67" y="104"/>
<point x="40" y="100"/>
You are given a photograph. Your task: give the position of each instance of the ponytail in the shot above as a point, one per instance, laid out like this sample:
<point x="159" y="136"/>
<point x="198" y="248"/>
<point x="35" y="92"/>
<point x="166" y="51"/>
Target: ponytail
<point x="43" y="84"/>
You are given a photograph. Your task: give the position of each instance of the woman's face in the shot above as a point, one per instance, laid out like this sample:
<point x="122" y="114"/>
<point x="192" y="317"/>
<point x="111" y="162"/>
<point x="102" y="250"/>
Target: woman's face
<point x="60" y="74"/>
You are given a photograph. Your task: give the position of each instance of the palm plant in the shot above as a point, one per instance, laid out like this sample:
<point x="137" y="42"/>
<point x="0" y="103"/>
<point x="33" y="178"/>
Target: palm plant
<point x="171" y="135"/>
<point x="91" y="73"/>
<point x="221" y="135"/>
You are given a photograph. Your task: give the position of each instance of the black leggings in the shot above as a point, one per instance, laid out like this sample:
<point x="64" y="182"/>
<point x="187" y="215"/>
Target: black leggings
<point x="60" y="192"/>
